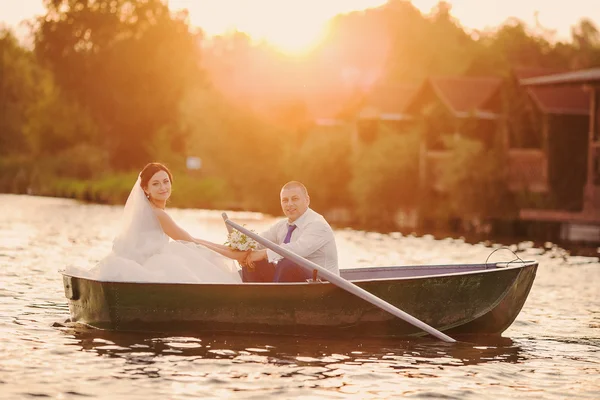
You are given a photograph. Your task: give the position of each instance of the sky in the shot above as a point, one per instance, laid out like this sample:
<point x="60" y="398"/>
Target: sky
<point x="295" y="26"/>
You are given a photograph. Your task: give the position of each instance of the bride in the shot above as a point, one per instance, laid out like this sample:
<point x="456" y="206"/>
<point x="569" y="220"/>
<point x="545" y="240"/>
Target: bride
<point x="142" y="251"/>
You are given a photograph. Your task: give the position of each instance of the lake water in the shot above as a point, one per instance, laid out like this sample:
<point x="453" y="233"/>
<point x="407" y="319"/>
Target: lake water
<point x="552" y="350"/>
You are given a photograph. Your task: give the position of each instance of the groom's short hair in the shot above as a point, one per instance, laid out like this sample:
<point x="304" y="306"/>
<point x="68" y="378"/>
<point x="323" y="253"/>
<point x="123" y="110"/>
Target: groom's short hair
<point x="295" y="184"/>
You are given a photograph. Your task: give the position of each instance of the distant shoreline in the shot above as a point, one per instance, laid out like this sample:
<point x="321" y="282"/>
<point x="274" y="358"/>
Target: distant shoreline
<point x="490" y="239"/>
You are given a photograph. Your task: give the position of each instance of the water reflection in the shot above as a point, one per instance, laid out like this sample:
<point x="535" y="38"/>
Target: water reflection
<point x="148" y="349"/>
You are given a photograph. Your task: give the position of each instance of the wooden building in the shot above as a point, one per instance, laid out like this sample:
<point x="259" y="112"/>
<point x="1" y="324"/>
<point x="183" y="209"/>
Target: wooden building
<point x="539" y="117"/>
<point x="385" y="108"/>
<point x="547" y="131"/>
<point x="449" y="106"/>
<point x="583" y="224"/>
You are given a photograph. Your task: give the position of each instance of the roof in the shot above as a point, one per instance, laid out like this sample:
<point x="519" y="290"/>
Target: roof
<point x="522" y="73"/>
<point x="565" y="100"/>
<point x="388" y="101"/>
<point x="581" y="77"/>
<point x="466" y="96"/>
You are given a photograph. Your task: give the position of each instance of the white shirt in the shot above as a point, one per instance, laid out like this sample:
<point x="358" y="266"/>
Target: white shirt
<point x="312" y="239"/>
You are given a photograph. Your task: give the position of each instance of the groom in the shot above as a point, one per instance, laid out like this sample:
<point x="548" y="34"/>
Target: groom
<point x="304" y="232"/>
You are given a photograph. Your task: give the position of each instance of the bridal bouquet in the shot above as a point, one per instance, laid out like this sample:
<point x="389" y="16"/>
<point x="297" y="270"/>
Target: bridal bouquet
<point x="240" y="241"/>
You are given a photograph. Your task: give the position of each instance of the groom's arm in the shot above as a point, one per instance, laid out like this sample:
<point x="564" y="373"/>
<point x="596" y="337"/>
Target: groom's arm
<point x="270" y="234"/>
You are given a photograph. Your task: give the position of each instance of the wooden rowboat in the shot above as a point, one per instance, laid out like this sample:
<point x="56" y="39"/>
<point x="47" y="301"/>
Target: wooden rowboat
<point x="455" y="299"/>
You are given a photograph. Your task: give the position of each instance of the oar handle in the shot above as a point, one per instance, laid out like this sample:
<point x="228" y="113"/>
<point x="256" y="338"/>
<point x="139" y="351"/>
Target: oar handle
<point x="341" y="282"/>
<point x="225" y="219"/>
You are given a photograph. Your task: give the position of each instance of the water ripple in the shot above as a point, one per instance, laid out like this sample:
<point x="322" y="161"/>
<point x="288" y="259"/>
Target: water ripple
<point x="552" y="350"/>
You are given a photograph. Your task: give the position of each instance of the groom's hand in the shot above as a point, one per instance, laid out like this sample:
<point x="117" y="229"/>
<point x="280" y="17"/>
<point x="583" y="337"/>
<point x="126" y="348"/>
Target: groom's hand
<point x="243" y="257"/>
<point x="256" y="255"/>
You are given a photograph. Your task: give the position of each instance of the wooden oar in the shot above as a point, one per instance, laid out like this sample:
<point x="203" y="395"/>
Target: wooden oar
<point x="341" y="282"/>
<point x="225" y="218"/>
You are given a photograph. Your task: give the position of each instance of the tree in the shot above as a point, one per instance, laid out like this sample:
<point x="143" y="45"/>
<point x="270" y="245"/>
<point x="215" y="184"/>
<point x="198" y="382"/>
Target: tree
<point x="475" y="181"/>
<point x="586" y="44"/>
<point x="126" y="61"/>
<point x="236" y="146"/>
<point x="17" y="93"/>
<point x="324" y="164"/>
<point x="513" y="45"/>
<point x="35" y="118"/>
<point x="386" y="177"/>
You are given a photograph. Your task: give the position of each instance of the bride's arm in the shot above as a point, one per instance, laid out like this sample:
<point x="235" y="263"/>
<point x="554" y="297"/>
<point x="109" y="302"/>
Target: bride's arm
<point x="175" y="232"/>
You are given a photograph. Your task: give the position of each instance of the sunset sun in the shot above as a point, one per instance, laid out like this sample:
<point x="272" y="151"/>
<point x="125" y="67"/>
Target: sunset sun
<point x="292" y="27"/>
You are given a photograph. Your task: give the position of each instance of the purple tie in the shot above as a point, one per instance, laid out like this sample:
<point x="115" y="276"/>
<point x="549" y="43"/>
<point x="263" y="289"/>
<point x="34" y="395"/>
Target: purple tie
<point x="289" y="233"/>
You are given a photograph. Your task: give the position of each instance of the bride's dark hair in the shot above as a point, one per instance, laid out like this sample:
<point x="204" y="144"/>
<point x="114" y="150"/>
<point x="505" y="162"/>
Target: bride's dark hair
<point x="149" y="171"/>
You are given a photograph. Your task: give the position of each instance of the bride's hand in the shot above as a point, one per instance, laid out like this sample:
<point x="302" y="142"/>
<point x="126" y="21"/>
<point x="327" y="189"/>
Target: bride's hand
<point x="241" y="256"/>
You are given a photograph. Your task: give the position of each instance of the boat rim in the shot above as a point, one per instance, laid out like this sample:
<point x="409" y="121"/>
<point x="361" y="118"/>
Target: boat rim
<point x="517" y="265"/>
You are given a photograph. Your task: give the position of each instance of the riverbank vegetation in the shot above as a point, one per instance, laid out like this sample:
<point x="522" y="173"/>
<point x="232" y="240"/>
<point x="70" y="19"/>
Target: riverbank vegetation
<point x="108" y="86"/>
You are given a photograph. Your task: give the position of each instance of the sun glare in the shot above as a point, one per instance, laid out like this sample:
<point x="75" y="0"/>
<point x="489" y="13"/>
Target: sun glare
<point x="292" y="27"/>
<point x="295" y="26"/>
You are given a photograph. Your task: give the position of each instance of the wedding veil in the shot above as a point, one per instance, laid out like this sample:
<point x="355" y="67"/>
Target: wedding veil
<point x="140" y="235"/>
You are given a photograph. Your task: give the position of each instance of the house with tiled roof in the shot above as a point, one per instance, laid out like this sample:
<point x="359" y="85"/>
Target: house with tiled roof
<point x="464" y="97"/>
<point x="388" y="102"/>
<point x="450" y="106"/>
<point x="547" y="139"/>
<point x="384" y="107"/>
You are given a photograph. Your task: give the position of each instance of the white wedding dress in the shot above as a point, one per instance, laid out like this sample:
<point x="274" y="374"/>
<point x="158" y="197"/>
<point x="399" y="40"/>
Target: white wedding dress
<point x="142" y="252"/>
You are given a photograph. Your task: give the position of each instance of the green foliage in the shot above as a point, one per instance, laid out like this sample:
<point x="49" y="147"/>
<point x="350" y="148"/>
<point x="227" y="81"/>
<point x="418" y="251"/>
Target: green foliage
<point x="188" y="191"/>
<point x="585" y="51"/>
<point x="28" y="174"/>
<point x="236" y="146"/>
<point x="114" y="84"/>
<point x="127" y="62"/>
<point x="18" y="93"/>
<point x="161" y="148"/>
<point x="58" y="124"/>
<point x="112" y="189"/>
<point x="386" y="177"/>
<point x="524" y="122"/>
<point x="35" y="118"/>
<point x="474" y="180"/>
<point x="513" y="45"/>
<point x="15" y="173"/>
<point x="81" y="161"/>
<point x="411" y="46"/>
<point x="434" y="122"/>
<point x="323" y="164"/>
<point x="193" y="192"/>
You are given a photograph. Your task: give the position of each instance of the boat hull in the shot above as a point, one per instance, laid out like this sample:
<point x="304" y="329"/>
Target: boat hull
<point x="474" y="302"/>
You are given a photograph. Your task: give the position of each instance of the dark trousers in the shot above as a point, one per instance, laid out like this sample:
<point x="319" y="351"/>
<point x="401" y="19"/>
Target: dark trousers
<point x="284" y="271"/>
